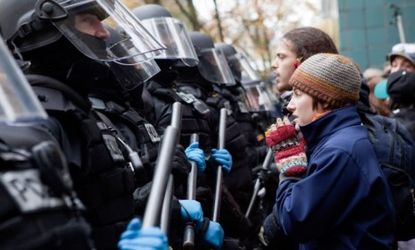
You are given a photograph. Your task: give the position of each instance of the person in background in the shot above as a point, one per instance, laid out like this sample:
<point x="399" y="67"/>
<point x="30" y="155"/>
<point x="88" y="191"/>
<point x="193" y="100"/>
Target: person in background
<point x="401" y="90"/>
<point x="401" y="57"/>
<point x="373" y="77"/>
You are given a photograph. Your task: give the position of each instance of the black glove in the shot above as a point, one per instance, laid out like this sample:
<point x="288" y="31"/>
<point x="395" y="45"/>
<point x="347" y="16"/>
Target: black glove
<point x="272" y="235"/>
<point x="262" y="174"/>
<point x="141" y="195"/>
<point x="180" y="166"/>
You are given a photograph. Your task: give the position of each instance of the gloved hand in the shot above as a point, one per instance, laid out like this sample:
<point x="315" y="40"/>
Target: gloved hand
<point x="224" y="158"/>
<point x="191" y="210"/>
<point x="272" y="234"/>
<point x="214" y="235"/>
<point x="288" y="147"/>
<point x="180" y="166"/>
<point x="262" y="174"/>
<point x="194" y="153"/>
<point x="134" y="238"/>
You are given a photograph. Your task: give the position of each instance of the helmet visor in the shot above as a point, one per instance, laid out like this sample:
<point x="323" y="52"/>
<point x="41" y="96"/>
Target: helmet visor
<point x="252" y="98"/>
<point x="85" y="25"/>
<point x="266" y="99"/>
<point x="242" y="69"/>
<point x="172" y="33"/>
<point x="131" y="76"/>
<point x="214" y="67"/>
<point x="18" y="103"/>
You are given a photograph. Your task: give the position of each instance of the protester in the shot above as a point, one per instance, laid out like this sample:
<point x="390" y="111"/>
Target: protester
<point x="401" y="90"/>
<point x="296" y="46"/>
<point x="332" y="193"/>
<point x="401" y="57"/>
<point x="373" y="77"/>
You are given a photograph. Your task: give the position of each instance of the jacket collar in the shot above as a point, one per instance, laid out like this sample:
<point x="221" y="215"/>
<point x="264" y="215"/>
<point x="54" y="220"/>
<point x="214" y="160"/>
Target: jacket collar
<point x="328" y="124"/>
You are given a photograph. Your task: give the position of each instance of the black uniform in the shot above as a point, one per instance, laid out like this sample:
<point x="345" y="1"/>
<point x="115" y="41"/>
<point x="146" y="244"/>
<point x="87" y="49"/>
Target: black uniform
<point x="39" y="208"/>
<point x="102" y="176"/>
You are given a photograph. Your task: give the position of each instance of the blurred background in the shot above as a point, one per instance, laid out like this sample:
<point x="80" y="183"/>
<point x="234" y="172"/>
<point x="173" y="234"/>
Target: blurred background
<point x="364" y="30"/>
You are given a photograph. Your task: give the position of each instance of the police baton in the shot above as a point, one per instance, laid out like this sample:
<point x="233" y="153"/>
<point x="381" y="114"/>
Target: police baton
<point x="176" y="122"/>
<point x="189" y="233"/>
<point x="219" y="177"/>
<point x="165" y="211"/>
<point x="161" y="175"/>
<point x="265" y="166"/>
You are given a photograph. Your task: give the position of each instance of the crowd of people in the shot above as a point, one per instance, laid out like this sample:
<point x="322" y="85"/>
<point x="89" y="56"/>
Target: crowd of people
<point x="91" y="94"/>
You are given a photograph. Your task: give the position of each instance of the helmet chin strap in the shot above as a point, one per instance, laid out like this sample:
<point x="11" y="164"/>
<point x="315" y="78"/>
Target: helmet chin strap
<point x="23" y="64"/>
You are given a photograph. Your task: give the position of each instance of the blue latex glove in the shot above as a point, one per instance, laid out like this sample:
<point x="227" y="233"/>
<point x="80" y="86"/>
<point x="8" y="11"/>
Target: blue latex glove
<point x="224" y="158"/>
<point x="214" y="235"/>
<point x="191" y="210"/>
<point x="134" y="238"/>
<point x="194" y="153"/>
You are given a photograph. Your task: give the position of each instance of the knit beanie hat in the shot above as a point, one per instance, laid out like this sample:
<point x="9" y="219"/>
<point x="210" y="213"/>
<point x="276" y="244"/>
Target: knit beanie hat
<point x="331" y="78"/>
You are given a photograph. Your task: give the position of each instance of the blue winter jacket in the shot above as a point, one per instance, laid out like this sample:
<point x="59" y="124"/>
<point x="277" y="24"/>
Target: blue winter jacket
<point x="344" y="201"/>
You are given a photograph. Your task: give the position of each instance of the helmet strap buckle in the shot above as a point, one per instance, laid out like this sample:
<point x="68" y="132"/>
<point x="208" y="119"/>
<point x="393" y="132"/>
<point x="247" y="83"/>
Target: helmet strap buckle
<point x="50" y="10"/>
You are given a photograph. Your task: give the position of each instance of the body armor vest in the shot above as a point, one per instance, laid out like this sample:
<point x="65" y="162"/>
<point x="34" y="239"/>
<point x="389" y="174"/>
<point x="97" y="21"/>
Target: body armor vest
<point x="101" y="174"/>
<point x="136" y="131"/>
<point x="235" y="139"/>
<point x="253" y="133"/>
<point x="39" y="208"/>
<point x="239" y="180"/>
<point x="193" y="120"/>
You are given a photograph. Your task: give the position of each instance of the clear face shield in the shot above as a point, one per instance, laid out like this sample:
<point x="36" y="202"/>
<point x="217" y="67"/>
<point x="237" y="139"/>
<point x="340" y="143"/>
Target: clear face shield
<point x="242" y="69"/>
<point x="129" y="72"/>
<point x="267" y="99"/>
<point x="214" y="67"/>
<point x="84" y="22"/>
<point x="18" y="103"/>
<point x="172" y="33"/>
<point x="258" y="98"/>
<point x="252" y="98"/>
<point x="131" y="76"/>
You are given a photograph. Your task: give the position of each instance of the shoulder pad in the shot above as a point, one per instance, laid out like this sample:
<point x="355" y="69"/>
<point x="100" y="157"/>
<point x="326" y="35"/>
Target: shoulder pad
<point x="53" y="100"/>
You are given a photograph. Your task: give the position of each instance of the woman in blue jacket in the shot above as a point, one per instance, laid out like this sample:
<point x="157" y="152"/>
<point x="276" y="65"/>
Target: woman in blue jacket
<point x="332" y="193"/>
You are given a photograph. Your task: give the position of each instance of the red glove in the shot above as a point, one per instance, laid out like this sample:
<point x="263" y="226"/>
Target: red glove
<point x="288" y="147"/>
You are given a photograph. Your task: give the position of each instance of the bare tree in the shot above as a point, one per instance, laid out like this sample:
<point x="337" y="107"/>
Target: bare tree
<point x="218" y="20"/>
<point x="189" y="11"/>
<point x="253" y="26"/>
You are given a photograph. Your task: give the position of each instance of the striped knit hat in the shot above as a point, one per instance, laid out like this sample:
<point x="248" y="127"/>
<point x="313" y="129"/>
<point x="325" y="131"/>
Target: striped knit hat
<point x="331" y="78"/>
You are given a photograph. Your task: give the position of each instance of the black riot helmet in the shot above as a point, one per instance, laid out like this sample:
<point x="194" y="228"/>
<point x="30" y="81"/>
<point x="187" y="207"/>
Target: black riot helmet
<point x="171" y="32"/>
<point x="241" y="68"/>
<point x="31" y="24"/>
<point x="150" y="11"/>
<point x="212" y="62"/>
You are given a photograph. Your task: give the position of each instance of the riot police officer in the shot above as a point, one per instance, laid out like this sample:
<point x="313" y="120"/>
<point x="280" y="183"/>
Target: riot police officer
<point x="164" y="88"/>
<point x="39" y="207"/>
<point x="213" y="70"/>
<point x="179" y="53"/>
<point x="66" y="40"/>
<point x="244" y="75"/>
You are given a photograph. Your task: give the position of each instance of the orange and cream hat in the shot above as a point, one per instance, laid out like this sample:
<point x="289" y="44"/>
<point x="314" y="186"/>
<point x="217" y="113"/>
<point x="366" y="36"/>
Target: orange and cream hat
<point x="331" y="78"/>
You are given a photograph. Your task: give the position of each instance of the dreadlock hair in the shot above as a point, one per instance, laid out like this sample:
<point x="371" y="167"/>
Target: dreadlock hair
<point x="307" y="41"/>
